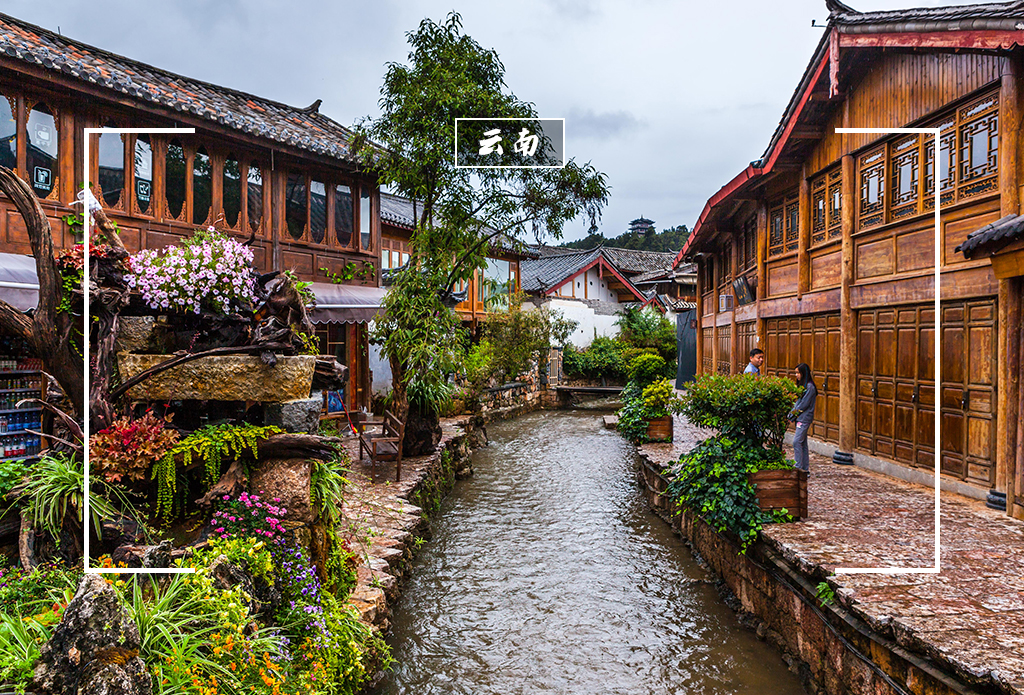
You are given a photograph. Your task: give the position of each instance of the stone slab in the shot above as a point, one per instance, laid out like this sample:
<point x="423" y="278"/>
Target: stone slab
<point x="225" y="378"/>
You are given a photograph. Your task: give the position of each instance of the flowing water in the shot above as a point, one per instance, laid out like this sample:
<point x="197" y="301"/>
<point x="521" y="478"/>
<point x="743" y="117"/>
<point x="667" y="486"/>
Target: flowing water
<point x="547" y="573"/>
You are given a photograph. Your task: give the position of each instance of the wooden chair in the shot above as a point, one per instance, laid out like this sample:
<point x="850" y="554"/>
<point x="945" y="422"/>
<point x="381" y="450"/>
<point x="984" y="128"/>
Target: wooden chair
<point x="385" y="445"/>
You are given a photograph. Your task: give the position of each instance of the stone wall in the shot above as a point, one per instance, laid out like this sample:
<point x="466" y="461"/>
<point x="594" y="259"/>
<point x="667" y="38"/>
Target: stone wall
<point x="832" y="651"/>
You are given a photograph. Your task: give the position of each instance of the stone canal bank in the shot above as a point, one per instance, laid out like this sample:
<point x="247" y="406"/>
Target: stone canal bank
<point x="960" y="631"/>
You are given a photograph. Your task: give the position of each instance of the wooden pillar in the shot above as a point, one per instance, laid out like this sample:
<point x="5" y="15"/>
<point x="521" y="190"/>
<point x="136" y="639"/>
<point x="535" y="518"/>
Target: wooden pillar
<point x="1015" y="497"/>
<point x="762" y="270"/>
<point x="276" y="217"/>
<point x="734" y="260"/>
<point x="803" y="262"/>
<point x="1008" y="368"/>
<point x="716" y="278"/>
<point x="700" y="315"/>
<point x="847" y="323"/>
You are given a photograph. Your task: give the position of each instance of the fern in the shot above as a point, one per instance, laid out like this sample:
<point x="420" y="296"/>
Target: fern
<point x="211" y="445"/>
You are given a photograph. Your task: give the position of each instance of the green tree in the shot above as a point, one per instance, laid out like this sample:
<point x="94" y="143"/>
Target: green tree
<point x="461" y="211"/>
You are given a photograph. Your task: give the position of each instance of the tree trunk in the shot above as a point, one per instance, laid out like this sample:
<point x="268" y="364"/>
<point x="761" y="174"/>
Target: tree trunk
<point x="50" y="330"/>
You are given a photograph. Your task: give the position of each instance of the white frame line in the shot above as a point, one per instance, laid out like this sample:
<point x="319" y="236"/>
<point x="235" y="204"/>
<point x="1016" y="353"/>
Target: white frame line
<point x="937" y="357"/>
<point x="87" y="228"/>
<point x="455" y="151"/>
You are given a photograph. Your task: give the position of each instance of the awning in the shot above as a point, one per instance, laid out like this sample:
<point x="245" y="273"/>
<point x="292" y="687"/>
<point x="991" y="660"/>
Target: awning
<point x="19" y="285"/>
<point x="345" y="303"/>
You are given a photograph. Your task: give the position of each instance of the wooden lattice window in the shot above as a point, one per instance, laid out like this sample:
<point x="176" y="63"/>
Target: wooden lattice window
<point x="968" y="165"/>
<point x="748" y="245"/>
<point x="835" y="203"/>
<point x="819" y="209"/>
<point x="979" y="147"/>
<point x="872" y="187"/>
<point x="784" y="225"/>
<point x="904" y="171"/>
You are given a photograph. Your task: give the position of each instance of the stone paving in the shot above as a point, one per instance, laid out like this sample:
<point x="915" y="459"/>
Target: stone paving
<point x="381" y="525"/>
<point x="970" y="616"/>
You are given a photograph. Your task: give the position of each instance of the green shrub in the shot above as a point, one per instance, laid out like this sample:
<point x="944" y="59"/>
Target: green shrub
<point x="712" y="480"/>
<point x="646" y="328"/>
<point x="647" y="369"/>
<point x="741" y="405"/>
<point x="658" y="398"/>
<point x="601" y="360"/>
<point x="629" y="354"/>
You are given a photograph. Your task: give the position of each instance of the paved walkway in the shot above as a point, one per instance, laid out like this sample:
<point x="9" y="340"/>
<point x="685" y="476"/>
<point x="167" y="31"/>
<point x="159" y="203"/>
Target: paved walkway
<point x="969" y="616"/>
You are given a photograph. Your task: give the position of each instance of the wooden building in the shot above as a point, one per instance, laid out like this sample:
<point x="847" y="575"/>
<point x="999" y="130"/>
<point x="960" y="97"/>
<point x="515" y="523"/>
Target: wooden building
<point x="285" y="175"/>
<point x="501" y="276"/>
<point x="823" y="252"/>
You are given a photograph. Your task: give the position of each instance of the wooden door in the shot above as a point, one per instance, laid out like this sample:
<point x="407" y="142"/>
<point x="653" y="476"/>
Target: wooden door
<point x="746" y="340"/>
<point x="724" y="350"/>
<point x="707" y="336"/>
<point x="896" y="394"/>
<point x="812" y="339"/>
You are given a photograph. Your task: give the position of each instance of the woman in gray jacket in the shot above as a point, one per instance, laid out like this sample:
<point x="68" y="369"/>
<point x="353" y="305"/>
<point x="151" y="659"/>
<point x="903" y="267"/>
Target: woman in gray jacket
<point x="803" y="414"/>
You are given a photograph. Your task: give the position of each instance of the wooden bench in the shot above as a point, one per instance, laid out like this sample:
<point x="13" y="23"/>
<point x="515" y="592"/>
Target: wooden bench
<point x="385" y="445"/>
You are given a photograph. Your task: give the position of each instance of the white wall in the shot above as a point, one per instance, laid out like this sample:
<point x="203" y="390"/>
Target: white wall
<point x="589" y="285"/>
<point x="599" y="322"/>
<point x="380" y="369"/>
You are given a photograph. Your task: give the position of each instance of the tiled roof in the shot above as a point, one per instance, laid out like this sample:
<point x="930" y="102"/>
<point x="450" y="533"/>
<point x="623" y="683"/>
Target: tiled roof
<point x="976" y="17"/>
<point x="994" y="236"/>
<point x="541" y="274"/>
<point x="630" y="261"/>
<point x="398" y="211"/>
<point x="305" y="129"/>
<point x="656" y="275"/>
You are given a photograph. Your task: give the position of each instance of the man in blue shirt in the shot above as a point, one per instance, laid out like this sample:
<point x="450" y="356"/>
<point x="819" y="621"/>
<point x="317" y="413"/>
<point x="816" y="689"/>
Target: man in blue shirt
<point x="756" y="360"/>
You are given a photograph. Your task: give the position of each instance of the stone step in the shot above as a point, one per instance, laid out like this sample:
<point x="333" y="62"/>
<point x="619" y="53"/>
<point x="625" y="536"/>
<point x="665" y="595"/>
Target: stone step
<point x="611" y="421"/>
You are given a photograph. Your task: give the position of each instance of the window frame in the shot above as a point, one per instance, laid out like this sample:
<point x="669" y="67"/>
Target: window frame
<point x="956" y="124"/>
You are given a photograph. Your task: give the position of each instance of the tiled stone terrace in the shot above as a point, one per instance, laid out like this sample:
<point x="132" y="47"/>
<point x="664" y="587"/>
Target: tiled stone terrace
<point x="970" y="616"/>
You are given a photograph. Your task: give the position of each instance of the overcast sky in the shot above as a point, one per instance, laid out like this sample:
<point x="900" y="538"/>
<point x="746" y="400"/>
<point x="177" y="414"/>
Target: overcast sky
<point x="669" y="99"/>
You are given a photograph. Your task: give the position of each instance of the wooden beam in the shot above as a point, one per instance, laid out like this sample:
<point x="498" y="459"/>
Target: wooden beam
<point x="733" y="342"/>
<point x="700" y="315"/>
<point x="985" y="40"/>
<point x="807" y="133"/>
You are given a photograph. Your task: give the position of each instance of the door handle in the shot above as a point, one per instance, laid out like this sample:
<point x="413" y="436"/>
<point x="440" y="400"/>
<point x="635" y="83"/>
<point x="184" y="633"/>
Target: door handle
<point x="824" y="387"/>
<point x="917" y="393"/>
<point x="874" y="390"/>
<point x="963" y="401"/>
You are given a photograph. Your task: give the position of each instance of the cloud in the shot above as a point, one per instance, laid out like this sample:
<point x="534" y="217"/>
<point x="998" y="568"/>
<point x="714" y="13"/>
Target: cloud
<point x="587" y="123"/>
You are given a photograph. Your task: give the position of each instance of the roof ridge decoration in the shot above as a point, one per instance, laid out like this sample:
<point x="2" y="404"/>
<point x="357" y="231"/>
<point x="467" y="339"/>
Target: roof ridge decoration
<point x="303" y="128"/>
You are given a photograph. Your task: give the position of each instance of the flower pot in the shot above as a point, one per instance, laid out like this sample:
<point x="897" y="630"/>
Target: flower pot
<point x="660" y="429"/>
<point x="221" y="378"/>
<point x="782" y="489"/>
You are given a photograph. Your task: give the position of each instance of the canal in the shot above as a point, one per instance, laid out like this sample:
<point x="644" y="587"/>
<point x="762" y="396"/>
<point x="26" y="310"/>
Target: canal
<point x="548" y="574"/>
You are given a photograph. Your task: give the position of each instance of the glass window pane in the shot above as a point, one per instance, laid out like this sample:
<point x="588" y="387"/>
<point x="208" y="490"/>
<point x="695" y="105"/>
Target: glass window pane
<point x="254" y="197"/>
<point x="143" y="172"/>
<point x="232" y="190"/>
<point x="405" y="258"/>
<point x="174" y="178"/>
<point x="343" y="214"/>
<point x="385" y="260"/>
<point x="296" y="203"/>
<point x="42" y="150"/>
<point x="111" y="167"/>
<point x="317" y="211"/>
<point x="202" y="187"/>
<point x="364" y="220"/>
<point x="8" y="132"/>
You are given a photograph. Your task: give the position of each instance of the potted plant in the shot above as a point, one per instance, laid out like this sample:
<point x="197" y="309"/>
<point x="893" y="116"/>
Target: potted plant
<point x="739" y="479"/>
<point x="657" y="398"/>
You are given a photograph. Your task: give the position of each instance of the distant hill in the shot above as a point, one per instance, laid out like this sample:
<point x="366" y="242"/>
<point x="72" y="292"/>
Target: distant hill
<point x="642" y="236"/>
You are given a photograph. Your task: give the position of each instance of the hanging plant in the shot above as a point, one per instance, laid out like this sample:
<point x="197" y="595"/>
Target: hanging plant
<point x="209" y="445"/>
